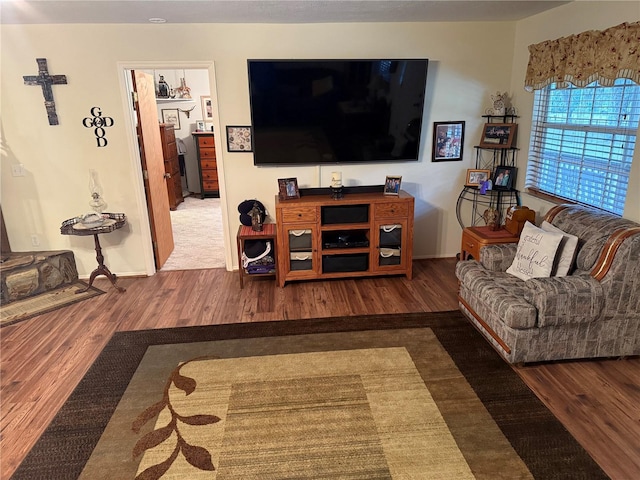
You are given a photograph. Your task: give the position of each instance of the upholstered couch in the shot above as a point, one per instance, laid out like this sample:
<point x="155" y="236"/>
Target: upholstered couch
<point x="594" y="311"/>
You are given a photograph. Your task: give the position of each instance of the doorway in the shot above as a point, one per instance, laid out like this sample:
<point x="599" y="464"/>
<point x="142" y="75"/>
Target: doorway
<point x="198" y="225"/>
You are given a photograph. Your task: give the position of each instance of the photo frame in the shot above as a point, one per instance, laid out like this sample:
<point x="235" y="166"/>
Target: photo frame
<point x="288" y="188"/>
<point x="239" y="139"/>
<point x="171" y="116"/>
<point x="475" y="177"/>
<point x="207" y="108"/>
<point x="392" y="185"/>
<point x="504" y="177"/>
<point x="498" y="135"/>
<point x="200" y="126"/>
<point x="208" y="126"/>
<point x="448" y="141"/>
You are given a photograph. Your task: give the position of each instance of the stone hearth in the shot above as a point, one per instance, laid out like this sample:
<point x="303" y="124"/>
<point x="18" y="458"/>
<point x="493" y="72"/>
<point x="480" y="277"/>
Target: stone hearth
<point x="26" y="274"/>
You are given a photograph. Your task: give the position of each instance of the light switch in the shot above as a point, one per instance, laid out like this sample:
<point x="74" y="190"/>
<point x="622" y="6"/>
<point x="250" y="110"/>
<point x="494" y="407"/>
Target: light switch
<point x="17" y="170"/>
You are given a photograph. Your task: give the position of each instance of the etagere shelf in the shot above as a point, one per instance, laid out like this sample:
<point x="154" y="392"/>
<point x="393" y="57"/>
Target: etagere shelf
<point x="488" y="158"/>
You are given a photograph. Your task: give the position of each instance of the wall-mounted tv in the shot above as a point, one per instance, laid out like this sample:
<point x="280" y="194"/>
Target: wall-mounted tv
<point x="310" y="112"/>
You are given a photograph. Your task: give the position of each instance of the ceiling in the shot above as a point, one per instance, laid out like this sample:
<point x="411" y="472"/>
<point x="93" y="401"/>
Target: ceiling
<point x="267" y="11"/>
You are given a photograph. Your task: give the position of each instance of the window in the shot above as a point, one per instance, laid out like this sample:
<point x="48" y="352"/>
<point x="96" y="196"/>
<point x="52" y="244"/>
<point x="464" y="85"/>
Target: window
<point x="582" y="142"/>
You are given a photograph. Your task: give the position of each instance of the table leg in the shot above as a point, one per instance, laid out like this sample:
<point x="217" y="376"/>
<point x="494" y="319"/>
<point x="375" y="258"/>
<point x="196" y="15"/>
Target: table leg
<point x="101" y="270"/>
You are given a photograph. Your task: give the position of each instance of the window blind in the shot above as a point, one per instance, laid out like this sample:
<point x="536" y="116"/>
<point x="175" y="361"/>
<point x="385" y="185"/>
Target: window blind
<point x="582" y="142"/>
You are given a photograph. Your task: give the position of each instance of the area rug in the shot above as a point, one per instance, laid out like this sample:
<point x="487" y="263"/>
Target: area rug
<point x="20" y="310"/>
<point x="417" y="396"/>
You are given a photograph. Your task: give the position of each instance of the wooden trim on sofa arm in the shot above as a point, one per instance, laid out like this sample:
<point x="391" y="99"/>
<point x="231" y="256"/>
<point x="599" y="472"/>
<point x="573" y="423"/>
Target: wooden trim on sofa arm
<point x="554" y="211"/>
<point x="487" y="328"/>
<point x="605" y="260"/>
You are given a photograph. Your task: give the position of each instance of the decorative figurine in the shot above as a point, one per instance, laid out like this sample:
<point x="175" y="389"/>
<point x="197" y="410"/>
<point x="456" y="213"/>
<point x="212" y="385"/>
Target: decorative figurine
<point x="256" y="217"/>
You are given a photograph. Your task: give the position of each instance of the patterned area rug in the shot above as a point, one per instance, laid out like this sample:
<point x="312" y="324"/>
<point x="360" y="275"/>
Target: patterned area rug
<point x="20" y="310"/>
<point x="419" y="396"/>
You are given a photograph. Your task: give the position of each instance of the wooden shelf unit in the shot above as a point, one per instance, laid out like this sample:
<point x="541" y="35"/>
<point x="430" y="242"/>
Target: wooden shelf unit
<point x="361" y="234"/>
<point x="207" y="164"/>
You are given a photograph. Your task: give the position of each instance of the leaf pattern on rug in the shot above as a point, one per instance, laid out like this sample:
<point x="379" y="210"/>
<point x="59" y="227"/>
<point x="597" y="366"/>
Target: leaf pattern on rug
<point x="198" y="457"/>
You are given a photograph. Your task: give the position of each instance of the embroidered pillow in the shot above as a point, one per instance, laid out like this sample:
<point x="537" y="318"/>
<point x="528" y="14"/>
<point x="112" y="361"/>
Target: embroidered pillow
<point x="535" y="253"/>
<point x="566" y="251"/>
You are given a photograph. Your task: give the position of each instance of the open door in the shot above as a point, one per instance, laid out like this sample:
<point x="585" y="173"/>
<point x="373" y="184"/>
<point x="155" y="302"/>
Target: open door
<point x="153" y="173"/>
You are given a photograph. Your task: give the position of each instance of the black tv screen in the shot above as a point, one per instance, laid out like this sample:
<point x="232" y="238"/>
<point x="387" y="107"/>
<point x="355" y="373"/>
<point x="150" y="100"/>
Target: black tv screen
<point x="310" y="112"/>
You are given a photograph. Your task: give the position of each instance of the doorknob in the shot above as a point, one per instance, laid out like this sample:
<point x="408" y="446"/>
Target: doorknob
<point x="167" y="175"/>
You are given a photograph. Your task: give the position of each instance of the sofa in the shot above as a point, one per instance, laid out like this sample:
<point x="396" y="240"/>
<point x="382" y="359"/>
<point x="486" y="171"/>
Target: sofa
<point x="593" y="311"/>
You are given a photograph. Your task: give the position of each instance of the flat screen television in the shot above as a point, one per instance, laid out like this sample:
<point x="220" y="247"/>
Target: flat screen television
<point x="310" y="112"/>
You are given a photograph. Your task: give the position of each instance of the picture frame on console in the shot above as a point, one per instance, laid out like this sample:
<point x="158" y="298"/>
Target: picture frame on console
<point x="288" y="188"/>
<point x="498" y="135"/>
<point x="475" y="178"/>
<point x="392" y="185"/>
<point x="504" y="177"/>
<point x="448" y="141"/>
<point x="200" y="126"/>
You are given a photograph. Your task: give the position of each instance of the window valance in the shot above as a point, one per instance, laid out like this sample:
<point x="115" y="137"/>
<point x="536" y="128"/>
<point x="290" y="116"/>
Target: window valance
<point x="586" y="57"/>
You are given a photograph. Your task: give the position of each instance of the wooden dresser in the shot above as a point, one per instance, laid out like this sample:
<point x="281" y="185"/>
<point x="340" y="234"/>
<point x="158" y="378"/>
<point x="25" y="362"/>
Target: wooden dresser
<point x="171" y="165"/>
<point x="207" y="165"/>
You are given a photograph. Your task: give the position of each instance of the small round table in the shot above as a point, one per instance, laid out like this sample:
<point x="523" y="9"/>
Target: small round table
<point x="112" y="221"/>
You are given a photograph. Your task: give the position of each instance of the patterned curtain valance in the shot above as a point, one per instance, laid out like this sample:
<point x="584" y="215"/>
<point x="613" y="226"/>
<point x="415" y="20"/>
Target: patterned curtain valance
<point x="586" y="57"/>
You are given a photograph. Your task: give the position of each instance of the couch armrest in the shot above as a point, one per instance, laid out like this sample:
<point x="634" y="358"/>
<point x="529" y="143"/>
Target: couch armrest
<point x="498" y="257"/>
<point x="563" y="300"/>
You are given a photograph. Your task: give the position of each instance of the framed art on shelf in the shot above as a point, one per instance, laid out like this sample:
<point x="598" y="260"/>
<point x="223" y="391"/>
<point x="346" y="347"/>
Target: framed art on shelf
<point x="498" y="135"/>
<point x="239" y="139"/>
<point x="475" y="178"/>
<point x="207" y="108"/>
<point x="504" y="177"/>
<point x="200" y="126"/>
<point x="288" y="188"/>
<point x="171" y="116"/>
<point x="448" y="141"/>
<point x="392" y="185"/>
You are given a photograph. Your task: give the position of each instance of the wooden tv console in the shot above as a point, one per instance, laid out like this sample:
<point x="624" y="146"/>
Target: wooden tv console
<point x="361" y="234"/>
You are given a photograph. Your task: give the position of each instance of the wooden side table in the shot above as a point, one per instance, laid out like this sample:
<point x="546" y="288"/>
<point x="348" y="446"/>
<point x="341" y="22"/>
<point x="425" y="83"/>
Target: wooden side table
<point x="474" y="238"/>
<point x="247" y="233"/>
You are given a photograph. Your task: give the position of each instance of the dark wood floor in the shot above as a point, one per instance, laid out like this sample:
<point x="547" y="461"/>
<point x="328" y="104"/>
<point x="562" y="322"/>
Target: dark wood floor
<point x="44" y="358"/>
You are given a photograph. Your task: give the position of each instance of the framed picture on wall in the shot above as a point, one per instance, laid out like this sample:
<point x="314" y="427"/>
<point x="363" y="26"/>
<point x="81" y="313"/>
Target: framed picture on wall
<point x="207" y="108"/>
<point x="172" y="117"/>
<point x="239" y="139"/>
<point x="448" y="140"/>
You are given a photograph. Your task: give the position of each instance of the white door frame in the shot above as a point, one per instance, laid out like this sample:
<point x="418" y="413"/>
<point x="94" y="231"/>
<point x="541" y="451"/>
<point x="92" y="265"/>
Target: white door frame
<point x="143" y="210"/>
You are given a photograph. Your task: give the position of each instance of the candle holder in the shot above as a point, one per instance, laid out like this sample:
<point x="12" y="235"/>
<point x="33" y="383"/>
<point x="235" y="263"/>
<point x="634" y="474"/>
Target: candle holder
<point x="336" y="192"/>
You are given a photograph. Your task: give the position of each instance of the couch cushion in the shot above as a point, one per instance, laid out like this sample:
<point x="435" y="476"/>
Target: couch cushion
<point x="499" y="291"/>
<point x="566" y="251"/>
<point x="536" y="253"/>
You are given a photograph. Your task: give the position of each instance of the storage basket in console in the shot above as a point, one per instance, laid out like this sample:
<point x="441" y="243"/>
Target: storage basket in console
<point x="355" y="262"/>
<point x="389" y="256"/>
<point x="300" y="261"/>
<point x="299" y="240"/>
<point x="345" y="214"/>
<point x="390" y="235"/>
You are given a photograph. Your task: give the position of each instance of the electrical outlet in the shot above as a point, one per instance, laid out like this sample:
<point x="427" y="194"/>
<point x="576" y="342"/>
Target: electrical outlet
<point x="17" y="170"/>
<point x="35" y="240"/>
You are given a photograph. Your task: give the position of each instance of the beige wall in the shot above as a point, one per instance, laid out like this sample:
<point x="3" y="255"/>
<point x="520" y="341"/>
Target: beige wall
<point x="468" y="62"/>
<point x="569" y="19"/>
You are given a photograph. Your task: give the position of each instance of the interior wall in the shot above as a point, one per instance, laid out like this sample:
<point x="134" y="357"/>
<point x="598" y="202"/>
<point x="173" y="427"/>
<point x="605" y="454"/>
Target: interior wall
<point x="584" y="15"/>
<point x="468" y="62"/>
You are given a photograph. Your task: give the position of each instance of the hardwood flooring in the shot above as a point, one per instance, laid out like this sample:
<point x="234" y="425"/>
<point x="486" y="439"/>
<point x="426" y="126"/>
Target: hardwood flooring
<point x="43" y="359"/>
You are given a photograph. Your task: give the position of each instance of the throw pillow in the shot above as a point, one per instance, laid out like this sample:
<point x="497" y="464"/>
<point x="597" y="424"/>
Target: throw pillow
<point x="535" y="253"/>
<point x="566" y="251"/>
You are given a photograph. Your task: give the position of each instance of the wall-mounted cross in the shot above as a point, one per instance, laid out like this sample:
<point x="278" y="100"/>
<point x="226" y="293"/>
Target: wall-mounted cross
<point x="46" y="81"/>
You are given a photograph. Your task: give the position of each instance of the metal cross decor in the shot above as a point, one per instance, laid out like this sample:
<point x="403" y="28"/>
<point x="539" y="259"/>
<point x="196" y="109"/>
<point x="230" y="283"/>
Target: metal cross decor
<point x="46" y="81"/>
